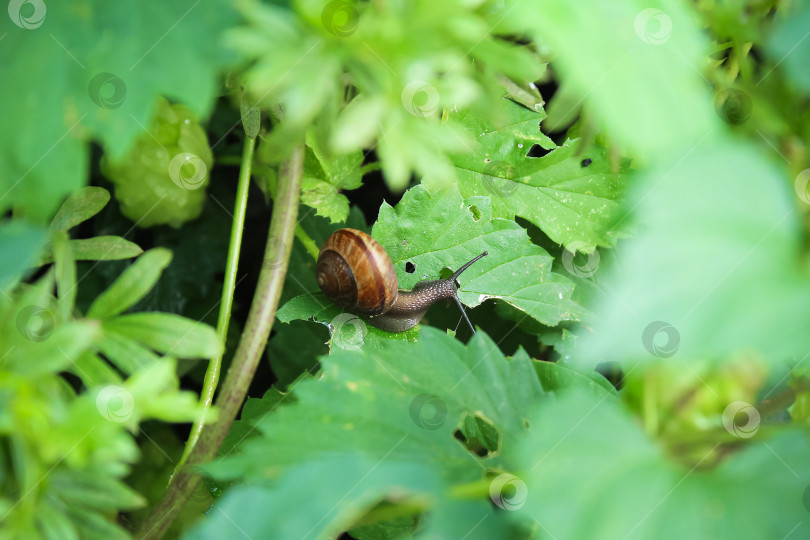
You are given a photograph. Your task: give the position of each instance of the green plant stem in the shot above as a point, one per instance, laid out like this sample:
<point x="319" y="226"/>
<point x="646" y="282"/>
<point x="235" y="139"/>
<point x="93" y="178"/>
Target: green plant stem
<point x="308" y="243"/>
<point x="370" y="167"/>
<point x="248" y="352"/>
<point x="225" y="306"/>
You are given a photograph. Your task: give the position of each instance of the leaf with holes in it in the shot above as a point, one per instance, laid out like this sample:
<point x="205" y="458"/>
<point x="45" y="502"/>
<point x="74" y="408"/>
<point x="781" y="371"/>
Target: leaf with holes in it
<point x="402" y="403"/>
<point x="442" y="231"/>
<point x="572" y="197"/>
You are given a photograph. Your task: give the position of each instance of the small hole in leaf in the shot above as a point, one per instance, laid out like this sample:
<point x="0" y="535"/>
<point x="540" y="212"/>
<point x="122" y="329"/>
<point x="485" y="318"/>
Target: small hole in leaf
<point x="478" y="435"/>
<point x="585" y="162"/>
<point x="476" y="213"/>
<point x="410" y="267"/>
<point x="537" y="151"/>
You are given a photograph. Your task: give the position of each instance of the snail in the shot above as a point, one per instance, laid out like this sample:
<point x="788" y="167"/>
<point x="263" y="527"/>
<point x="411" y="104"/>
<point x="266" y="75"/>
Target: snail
<point x="355" y="272"/>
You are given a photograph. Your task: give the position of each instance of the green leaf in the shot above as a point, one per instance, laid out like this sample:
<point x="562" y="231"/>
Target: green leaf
<point x="100" y="67"/>
<point x="555" y="377"/>
<point x="98" y="248"/>
<point x="572" y="195"/>
<point x="635" y="65"/>
<point x="93" y="490"/>
<point x="127" y="355"/>
<point x="347" y="331"/>
<point x="788" y="46"/>
<point x="132" y="285"/>
<point x="591" y="473"/>
<point x="255" y="510"/>
<point x="325" y="176"/>
<point x="253" y="411"/>
<point x="294" y="349"/>
<point x="65" y="272"/>
<point x="80" y="206"/>
<point x="437" y="231"/>
<point x="402" y="403"/>
<point x="168" y="334"/>
<point x="20" y="243"/>
<point x="94" y="371"/>
<point x="715" y="268"/>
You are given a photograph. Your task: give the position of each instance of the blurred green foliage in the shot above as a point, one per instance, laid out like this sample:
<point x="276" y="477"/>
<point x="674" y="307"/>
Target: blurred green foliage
<point x="637" y="170"/>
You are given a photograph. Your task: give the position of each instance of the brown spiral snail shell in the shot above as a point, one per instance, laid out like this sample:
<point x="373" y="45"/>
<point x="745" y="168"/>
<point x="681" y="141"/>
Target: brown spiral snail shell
<point x="355" y="272"/>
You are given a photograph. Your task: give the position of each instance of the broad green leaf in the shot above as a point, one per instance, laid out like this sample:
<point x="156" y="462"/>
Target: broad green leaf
<point x="100" y="66"/>
<point x="401" y="404"/>
<point x="168" y="334"/>
<point x="132" y="285"/>
<point x="636" y="66"/>
<point x="715" y="268"/>
<point x="347" y="331"/>
<point x="592" y="473"/>
<point x="325" y="176"/>
<point x="20" y="244"/>
<point x="788" y="46"/>
<point x="572" y="196"/>
<point x="294" y="349"/>
<point x="80" y="206"/>
<point x="441" y="231"/>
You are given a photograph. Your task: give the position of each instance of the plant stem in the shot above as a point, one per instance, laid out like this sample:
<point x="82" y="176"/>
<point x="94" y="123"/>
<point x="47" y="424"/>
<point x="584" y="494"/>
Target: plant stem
<point x="225" y="306"/>
<point x="249" y="351"/>
<point x="370" y="167"/>
<point x="308" y="243"/>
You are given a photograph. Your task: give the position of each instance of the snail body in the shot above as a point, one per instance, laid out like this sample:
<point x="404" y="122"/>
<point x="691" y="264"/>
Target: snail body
<point x="355" y="272"/>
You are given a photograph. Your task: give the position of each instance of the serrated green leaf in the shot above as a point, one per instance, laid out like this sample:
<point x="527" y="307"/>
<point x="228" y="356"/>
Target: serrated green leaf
<point x="80" y="206"/>
<point x="132" y="285"/>
<point x="168" y="334"/>
<point x="100" y="67"/>
<point x="325" y="176"/>
<point x="591" y="473"/>
<point x="403" y="402"/>
<point x="573" y="197"/>
<point x="436" y="231"/>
